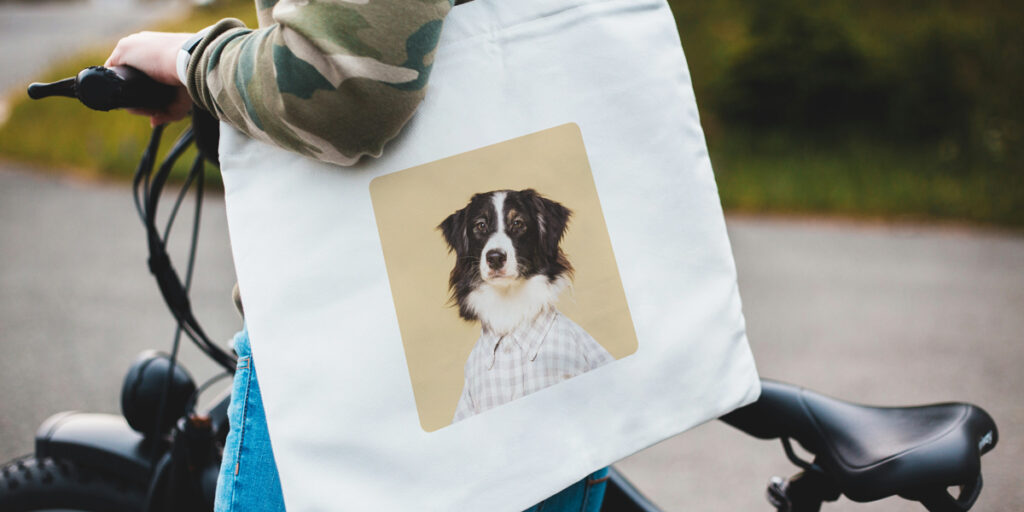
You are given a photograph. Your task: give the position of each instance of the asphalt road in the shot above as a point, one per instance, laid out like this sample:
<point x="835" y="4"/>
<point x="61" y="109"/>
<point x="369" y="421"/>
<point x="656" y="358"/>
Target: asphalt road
<point x="34" y="34"/>
<point x="883" y="314"/>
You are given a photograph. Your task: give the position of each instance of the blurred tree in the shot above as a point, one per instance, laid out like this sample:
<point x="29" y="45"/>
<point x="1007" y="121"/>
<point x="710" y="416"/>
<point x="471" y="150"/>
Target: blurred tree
<point x="929" y="73"/>
<point x="802" y="73"/>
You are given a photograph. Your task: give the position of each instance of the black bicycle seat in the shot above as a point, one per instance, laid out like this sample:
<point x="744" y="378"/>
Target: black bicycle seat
<point x="875" y="452"/>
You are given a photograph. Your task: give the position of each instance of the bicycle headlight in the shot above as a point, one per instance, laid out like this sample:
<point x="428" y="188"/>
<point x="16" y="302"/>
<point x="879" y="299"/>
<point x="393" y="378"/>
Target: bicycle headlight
<point x="145" y="383"/>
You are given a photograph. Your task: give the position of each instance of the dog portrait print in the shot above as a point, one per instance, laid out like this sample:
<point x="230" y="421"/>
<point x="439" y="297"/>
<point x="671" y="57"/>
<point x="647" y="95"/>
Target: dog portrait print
<point x="503" y="278"/>
<point x="509" y="272"/>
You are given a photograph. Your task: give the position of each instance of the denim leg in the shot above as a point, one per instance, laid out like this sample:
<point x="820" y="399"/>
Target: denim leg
<point x="583" y="496"/>
<point x="248" y="475"/>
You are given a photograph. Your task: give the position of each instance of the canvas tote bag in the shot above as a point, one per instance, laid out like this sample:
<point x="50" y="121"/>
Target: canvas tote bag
<point x="364" y="360"/>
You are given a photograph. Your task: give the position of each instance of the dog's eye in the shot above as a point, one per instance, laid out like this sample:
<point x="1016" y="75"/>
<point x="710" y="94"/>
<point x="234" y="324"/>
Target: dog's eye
<point x="480" y="225"/>
<point x="518" y="224"/>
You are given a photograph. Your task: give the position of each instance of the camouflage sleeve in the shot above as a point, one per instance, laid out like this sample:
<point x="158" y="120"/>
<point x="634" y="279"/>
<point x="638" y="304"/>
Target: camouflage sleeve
<point x="330" y="79"/>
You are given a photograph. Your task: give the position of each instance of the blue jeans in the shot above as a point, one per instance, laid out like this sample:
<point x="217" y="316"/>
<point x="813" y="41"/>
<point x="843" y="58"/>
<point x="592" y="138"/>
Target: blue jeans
<point x="248" y="475"/>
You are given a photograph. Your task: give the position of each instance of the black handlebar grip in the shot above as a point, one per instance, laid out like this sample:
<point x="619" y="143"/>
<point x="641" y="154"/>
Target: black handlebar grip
<point x="101" y="88"/>
<point x="104" y="89"/>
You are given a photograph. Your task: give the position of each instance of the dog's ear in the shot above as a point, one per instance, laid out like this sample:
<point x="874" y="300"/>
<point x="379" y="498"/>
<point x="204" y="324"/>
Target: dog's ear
<point x="552" y="219"/>
<point x="454" y="230"/>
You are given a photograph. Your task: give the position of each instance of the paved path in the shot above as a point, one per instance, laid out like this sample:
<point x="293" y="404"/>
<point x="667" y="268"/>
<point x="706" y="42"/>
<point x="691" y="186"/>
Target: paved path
<point x="34" y="34"/>
<point x="881" y="314"/>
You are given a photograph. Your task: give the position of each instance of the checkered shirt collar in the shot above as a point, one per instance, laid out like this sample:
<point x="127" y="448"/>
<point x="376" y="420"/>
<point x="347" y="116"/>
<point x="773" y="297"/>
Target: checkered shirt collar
<point x="529" y="336"/>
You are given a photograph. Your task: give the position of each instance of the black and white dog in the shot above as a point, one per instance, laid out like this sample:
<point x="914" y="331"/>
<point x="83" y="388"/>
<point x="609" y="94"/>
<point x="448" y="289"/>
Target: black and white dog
<point x="509" y="265"/>
<point x="508" y="274"/>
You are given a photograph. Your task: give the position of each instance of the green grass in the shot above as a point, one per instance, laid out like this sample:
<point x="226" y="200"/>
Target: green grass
<point x="60" y="133"/>
<point x="870" y="180"/>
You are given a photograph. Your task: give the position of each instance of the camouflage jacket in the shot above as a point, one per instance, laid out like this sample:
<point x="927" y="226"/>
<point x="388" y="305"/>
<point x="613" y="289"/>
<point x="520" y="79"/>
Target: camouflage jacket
<point x="330" y="79"/>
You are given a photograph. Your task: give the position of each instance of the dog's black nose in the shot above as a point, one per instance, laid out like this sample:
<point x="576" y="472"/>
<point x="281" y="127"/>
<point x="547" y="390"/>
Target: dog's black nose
<point x="495" y="259"/>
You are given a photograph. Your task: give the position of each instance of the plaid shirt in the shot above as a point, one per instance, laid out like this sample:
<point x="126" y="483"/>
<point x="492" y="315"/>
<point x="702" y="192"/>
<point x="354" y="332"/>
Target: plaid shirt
<point x="548" y="350"/>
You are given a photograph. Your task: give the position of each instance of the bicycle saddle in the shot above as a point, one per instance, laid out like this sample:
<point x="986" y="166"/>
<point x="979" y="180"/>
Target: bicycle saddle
<point x="875" y="452"/>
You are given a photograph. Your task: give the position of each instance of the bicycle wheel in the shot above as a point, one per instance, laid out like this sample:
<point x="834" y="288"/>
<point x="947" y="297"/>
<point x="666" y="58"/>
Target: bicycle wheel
<point x="31" y="484"/>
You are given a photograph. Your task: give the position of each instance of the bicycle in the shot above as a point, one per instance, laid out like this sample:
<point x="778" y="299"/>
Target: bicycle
<point x="163" y="454"/>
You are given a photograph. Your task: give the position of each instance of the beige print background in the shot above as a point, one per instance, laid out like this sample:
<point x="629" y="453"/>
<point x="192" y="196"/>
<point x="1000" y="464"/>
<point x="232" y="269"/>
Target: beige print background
<point x="410" y="204"/>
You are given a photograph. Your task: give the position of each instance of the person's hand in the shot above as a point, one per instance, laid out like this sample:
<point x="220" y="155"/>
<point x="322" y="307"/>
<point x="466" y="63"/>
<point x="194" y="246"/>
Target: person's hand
<point x="154" y="53"/>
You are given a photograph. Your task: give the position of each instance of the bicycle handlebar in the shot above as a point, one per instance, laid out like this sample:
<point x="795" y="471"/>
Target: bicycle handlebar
<point x="104" y="89"/>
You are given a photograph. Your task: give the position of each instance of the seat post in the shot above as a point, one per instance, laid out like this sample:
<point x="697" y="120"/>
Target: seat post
<point x="804" y="492"/>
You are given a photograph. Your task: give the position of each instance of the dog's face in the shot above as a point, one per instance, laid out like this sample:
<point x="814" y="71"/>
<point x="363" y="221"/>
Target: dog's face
<point x="502" y="238"/>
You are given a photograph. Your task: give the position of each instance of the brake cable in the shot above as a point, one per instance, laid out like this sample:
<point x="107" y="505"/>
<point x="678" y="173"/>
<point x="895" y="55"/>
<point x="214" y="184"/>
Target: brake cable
<point x="147" y="188"/>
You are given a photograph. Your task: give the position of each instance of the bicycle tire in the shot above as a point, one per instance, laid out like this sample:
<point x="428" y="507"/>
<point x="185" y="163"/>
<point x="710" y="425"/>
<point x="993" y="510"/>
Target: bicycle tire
<point x="31" y="484"/>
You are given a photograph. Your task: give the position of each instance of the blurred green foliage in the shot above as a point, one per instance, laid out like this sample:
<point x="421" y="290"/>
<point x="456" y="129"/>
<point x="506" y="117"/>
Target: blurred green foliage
<point x="874" y="107"/>
<point x="879" y="108"/>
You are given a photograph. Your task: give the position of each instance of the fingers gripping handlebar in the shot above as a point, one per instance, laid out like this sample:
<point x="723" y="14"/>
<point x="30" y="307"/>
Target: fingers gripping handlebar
<point x="104" y="89"/>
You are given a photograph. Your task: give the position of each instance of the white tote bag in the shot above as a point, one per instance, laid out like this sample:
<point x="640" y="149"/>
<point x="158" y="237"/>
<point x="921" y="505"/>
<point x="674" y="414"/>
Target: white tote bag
<point x="422" y="343"/>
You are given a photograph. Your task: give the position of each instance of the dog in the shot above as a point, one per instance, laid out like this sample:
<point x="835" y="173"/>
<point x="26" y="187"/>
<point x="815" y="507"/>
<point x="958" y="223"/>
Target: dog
<point x="509" y="272"/>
